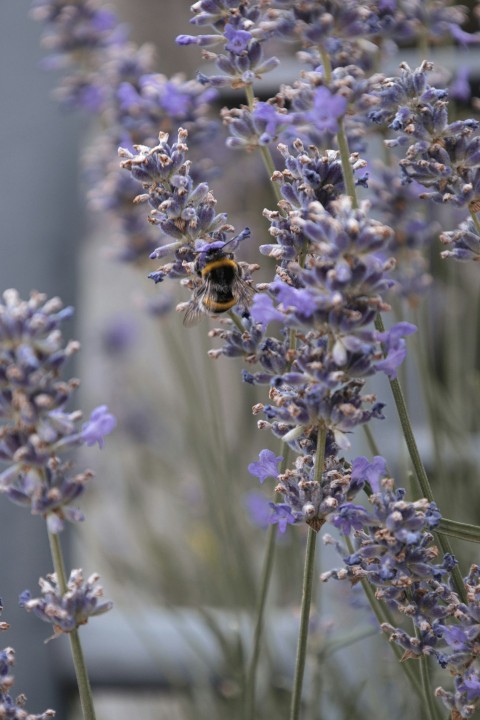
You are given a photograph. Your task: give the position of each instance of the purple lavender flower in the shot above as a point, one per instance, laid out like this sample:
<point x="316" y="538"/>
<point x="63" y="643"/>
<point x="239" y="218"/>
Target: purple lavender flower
<point x="239" y="30"/>
<point x="339" y="29"/>
<point x="264" y="312"/>
<point x="266" y="466"/>
<point x="67" y="611"/>
<point x="364" y="471"/>
<point x="282" y="516"/>
<point x="238" y="40"/>
<point x="460" y="88"/>
<point x="81" y="35"/>
<point x="259" y="509"/>
<point x="115" y="79"/>
<point x="465" y="39"/>
<point x="327" y="110"/>
<point x="399" y="205"/>
<point x="444" y="157"/>
<point x="394" y="551"/>
<point x="118" y="335"/>
<point x="395" y="348"/>
<point x="310" y="500"/>
<point x="464" y="243"/>
<point x="101" y="423"/>
<point x="394" y="543"/>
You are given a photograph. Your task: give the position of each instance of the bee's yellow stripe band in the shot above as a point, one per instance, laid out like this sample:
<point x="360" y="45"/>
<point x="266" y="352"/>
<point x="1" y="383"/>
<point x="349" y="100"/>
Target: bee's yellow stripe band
<point x="218" y="264"/>
<point x="219" y="306"/>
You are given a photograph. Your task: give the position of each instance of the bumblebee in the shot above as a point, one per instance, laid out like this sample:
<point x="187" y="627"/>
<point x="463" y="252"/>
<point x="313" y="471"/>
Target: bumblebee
<point x="222" y="286"/>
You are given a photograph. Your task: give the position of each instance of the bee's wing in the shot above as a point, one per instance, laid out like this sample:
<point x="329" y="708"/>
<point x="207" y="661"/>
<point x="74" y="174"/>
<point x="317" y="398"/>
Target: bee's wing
<point x="243" y="292"/>
<point x="194" y="310"/>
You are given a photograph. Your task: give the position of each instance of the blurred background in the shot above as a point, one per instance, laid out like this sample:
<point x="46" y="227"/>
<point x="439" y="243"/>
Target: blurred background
<point x="168" y="522"/>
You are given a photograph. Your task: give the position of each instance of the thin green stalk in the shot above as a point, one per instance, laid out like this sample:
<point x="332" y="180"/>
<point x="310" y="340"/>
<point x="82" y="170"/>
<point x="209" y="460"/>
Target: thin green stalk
<point x="428" y="696"/>
<point x="250" y="683"/>
<point x="236" y="320"/>
<point x="347" y="169"/>
<point x="460" y="530"/>
<point x="342" y="141"/>
<point x="430" y="395"/>
<point x="304" y="620"/>
<point x="307" y="589"/>
<point x="327" y="65"/>
<point x="83" y="682"/>
<point x="264" y="149"/>
<point x="372" y="443"/>
<point x="418" y="465"/>
<point x="424" y="42"/>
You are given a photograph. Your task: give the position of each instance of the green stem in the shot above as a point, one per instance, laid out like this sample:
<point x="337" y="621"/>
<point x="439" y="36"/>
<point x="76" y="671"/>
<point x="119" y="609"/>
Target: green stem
<point x="262" y="601"/>
<point x="236" y="320"/>
<point x="307" y="588"/>
<point x="250" y="96"/>
<point x="418" y="465"/>
<point x="460" y="530"/>
<point x="342" y="141"/>
<point x="347" y="169"/>
<point x="427" y="691"/>
<point x="264" y="149"/>
<point x="327" y="65"/>
<point x="250" y="684"/>
<point x="372" y="443"/>
<point x="83" y="682"/>
<point x="304" y="620"/>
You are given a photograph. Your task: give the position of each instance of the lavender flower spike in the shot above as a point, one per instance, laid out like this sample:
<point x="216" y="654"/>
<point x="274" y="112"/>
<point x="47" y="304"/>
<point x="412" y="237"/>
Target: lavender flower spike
<point x="35" y="427"/>
<point x="66" y="612"/>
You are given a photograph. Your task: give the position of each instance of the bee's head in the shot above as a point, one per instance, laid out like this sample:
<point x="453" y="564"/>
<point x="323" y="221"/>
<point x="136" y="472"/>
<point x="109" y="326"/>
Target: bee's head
<point x="207" y="251"/>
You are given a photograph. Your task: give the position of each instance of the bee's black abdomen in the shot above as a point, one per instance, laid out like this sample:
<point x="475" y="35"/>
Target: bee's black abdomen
<point x="220" y="275"/>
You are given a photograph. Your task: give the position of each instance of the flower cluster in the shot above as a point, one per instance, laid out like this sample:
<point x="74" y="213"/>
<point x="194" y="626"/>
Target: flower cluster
<point x="78" y="34"/>
<point x="338" y="30"/>
<point x="398" y="204"/>
<point x="307" y="498"/>
<point x="463" y="243"/>
<point x="237" y="28"/>
<point x="113" y="78"/>
<point x="395" y="552"/>
<point x="309" y="333"/>
<point x="394" y="546"/>
<point x="310" y="110"/>
<point x="330" y="283"/>
<point x="183" y="209"/>
<point x="461" y="650"/>
<point x="13" y="708"/>
<point x="442" y="156"/>
<point x="36" y="427"/>
<point x="67" y="610"/>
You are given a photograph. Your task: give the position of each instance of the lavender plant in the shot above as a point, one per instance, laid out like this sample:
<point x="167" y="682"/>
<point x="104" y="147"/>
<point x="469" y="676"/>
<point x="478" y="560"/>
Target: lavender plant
<point x="37" y="434"/>
<point x="349" y="239"/>
<point x="10" y="707"/>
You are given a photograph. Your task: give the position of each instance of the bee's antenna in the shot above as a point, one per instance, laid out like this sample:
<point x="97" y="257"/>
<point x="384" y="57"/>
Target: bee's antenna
<point x="245" y="233"/>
